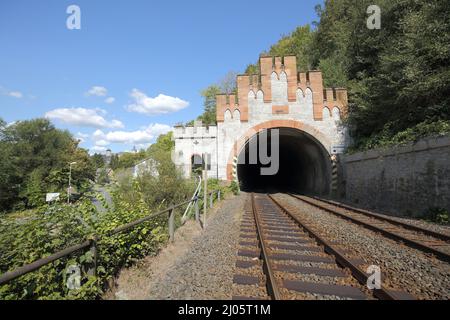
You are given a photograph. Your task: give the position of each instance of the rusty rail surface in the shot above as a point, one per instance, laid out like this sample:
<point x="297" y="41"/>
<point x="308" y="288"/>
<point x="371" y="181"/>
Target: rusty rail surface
<point x="272" y="286"/>
<point x="439" y="254"/>
<point x="92" y="241"/>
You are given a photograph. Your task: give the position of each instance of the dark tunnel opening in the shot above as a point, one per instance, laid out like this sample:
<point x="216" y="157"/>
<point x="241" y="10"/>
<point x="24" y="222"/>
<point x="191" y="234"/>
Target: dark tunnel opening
<point x="304" y="165"/>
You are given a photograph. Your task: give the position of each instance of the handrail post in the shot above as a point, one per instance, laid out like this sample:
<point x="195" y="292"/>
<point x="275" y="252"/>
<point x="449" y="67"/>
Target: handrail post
<point x="92" y="271"/>
<point x="197" y="212"/>
<point x="171" y="224"/>
<point x="205" y="191"/>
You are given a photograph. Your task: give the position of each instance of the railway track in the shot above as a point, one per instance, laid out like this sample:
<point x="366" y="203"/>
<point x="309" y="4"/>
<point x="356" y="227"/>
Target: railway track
<point x="427" y="241"/>
<point x="282" y="258"/>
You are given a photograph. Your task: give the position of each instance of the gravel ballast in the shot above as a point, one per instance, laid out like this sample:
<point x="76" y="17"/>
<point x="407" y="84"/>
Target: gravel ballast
<point x="202" y="270"/>
<point x="403" y="267"/>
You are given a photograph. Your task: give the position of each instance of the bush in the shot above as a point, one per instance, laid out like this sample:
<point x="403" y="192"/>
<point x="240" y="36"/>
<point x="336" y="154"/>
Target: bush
<point x="387" y="139"/>
<point x="234" y="187"/>
<point x="54" y="228"/>
<point x="438" y="215"/>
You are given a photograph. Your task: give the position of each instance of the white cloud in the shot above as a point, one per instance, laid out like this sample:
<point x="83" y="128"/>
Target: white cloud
<point x="13" y="94"/>
<point x="98" y="134"/>
<point x="83" y="117"/>
<point x="161" y="104"/>
<point x="97" y="91"/>
<point x="110" y="100"/>
<point x="102" y="143"/>
<point x="82" y="135"/>
<point x="97" y="149"/>
<point x="143" y="136"/>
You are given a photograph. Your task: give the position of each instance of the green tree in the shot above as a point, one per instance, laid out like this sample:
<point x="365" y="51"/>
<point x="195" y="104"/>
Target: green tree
<point x="209" y="103"/>
<point x="98" y="160"/>
<point x="164" y="143"/>
<point x="35" y="159"/>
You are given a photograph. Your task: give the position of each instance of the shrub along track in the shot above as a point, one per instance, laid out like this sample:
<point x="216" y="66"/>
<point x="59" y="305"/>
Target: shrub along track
<point x="281" y="257"/>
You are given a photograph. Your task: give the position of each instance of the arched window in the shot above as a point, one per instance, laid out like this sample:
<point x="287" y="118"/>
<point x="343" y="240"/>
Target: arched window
<point x="336" y="113"/>
<point x="326" y="113"/>
<point x="300" y="96"/>
<point x="227" y="115"/>
<point x="236" y="115"/>
<point x="260" y="95"/>
<point x="309" y="96"/>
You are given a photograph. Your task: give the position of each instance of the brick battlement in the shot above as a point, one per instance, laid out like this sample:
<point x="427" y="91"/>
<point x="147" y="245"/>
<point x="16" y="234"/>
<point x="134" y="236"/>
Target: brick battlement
<point x="281" y="69"/>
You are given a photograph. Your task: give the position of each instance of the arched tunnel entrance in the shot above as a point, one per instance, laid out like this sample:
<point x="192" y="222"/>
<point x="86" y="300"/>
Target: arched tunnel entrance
<point x="304" y="164"/>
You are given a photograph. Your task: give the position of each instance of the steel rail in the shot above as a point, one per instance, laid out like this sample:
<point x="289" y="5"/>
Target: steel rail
<point x="394" y="236"/>
<point x="358" y="273"/>
<point x="370" y="214"/>
<point x="272" y="287"/>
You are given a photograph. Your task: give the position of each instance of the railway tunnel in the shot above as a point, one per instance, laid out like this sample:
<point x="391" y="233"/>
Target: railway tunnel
<point x="304" y="164"/>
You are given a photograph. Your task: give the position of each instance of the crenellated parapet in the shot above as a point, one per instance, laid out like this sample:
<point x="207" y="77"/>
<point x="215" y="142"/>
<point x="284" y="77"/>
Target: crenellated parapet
<point x="194" y="132"/>
<point x="281" y="71"/>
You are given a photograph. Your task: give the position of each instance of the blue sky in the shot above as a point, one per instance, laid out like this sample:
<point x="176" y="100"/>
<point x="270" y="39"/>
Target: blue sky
<point x="135" y="68"/>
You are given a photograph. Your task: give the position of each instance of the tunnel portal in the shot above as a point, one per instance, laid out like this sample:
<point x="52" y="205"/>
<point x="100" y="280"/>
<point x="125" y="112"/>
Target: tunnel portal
<point x="304" y="165"/>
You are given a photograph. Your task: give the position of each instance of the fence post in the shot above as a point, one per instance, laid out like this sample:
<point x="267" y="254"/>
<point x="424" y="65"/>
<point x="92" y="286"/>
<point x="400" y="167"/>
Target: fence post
<point x="218" y="196"/>
<point x="171" y="224"/>
<point x="197" y="213"/>
<point x="92" y="271"/>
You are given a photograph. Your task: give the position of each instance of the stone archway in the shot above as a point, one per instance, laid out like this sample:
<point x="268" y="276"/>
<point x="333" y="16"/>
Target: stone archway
<point x="238" y="146"/>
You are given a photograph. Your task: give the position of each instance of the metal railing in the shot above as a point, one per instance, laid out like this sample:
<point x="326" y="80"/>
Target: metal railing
<point x="92" y="241"/>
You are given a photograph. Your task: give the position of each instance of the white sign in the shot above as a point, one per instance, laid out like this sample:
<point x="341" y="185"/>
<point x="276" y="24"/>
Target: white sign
<point x="52" y="197"/>
<point x="337" y="149"/>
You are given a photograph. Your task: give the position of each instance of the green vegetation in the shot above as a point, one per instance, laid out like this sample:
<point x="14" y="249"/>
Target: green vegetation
<point x="35" y="159"/>
<point x="31" y="235"/>
<point x="54" y="228"/>
<point x="127" y="160"/>
<point x="226" y="85"/>
<point x="437" y="215"/>
<point x="386" y="139"/>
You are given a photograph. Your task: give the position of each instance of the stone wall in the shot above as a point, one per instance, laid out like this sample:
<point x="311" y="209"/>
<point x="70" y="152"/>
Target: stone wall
<point x="406" y="181"/>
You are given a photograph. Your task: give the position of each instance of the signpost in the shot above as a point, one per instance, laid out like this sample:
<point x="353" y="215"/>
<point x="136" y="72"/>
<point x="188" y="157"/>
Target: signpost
<point x="205" y="189"/>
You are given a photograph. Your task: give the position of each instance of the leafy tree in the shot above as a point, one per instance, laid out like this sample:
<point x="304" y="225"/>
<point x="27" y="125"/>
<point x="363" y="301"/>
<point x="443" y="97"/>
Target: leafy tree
<point x="164" y="143"/>
<point x="114" y="162"/>
<point x="209" y="102"/>
<point x="226" y="85"/>
<point x="35" y="159"/>
<point x="98" y="160"/>
<point x="297" y="43"/>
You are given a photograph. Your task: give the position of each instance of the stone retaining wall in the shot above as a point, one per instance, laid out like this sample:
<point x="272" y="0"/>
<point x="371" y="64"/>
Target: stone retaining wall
<point x="406" y="181"/>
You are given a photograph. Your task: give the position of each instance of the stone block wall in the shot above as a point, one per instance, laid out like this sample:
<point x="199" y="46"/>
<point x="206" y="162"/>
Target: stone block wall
<point x="403" y="181"/>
